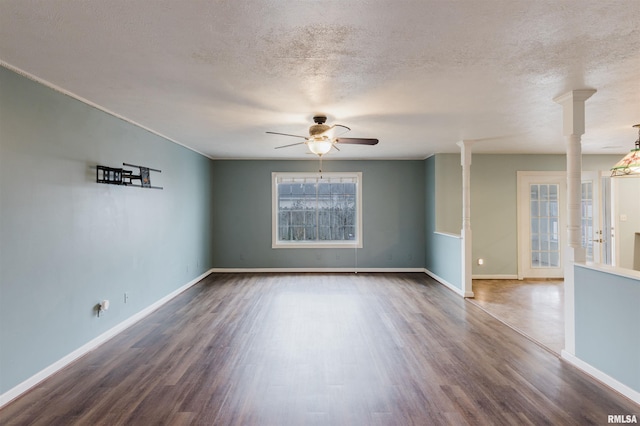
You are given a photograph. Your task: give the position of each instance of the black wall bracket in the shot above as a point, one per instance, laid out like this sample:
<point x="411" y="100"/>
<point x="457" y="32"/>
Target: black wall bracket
<point x="116" y="176"/>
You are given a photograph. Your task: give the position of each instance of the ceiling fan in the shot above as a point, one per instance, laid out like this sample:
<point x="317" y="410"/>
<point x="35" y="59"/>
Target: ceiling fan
<point x="323" y="137"/>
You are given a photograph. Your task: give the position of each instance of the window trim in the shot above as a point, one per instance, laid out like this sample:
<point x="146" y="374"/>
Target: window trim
<point x="276" y="244"/>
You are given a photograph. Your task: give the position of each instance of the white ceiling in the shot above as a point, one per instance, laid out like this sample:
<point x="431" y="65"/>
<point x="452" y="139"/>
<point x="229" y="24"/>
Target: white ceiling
<point x="419" y="75"/>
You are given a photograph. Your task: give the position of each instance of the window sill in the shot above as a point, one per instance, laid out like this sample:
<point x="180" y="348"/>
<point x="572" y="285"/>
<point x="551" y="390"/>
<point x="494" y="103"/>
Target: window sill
<point x="316" y="245"/>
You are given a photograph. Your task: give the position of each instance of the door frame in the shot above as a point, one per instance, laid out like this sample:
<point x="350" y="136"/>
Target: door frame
<point x="523" y="215"/>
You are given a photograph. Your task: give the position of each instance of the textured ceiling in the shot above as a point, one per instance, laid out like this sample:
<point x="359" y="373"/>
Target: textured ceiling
<point x="419" y="75"/>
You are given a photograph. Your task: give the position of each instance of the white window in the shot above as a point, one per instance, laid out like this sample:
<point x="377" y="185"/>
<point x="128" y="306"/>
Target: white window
<point x="314" y="211"/>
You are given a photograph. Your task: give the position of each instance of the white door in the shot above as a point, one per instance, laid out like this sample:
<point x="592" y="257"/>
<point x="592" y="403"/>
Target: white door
<point x="541" y="224"/>
<point x="606" y="219"/>
<point x="591" y="235"/>
<point x="597" y="231"/>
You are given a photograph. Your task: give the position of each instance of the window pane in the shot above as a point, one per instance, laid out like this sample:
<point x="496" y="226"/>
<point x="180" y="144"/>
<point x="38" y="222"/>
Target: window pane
<point x="535" y="260"/>
<point x="544" y="192"/>
<point x="310" y="189"/>
<point x="544" y="208"/>
<point x="535" y="243"/>
<point x="323" y="188"/>
<point x="534" y="225"/>
<point x="350" y="188"/>
<point x="534" y="209"/>
<point x="544" y="242"/>
<point x="554" y="228"/>
<point x="337" y="188"/>
<point x="534" y="192"/>
<point x="544" y="225"/>
<point x="314" y="209"/>
<point x="544" y="259"/>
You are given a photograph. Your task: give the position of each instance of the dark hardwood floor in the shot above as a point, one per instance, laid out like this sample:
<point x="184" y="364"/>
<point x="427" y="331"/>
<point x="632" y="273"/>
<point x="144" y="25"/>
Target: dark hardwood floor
<point x="318" y="349"/>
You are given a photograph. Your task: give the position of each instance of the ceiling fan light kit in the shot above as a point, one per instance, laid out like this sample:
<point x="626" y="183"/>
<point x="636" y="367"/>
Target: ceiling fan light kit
<point x="322" y="137"/>
<point x="630" y="163"/>
<point x="319" y="147"/>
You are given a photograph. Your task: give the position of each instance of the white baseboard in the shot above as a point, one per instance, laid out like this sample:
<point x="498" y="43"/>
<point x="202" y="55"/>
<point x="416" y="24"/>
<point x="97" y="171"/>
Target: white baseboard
<point x="325" y="270"/>
<point x="341" y="270"/>
<point x="18" y="390"/>
<point x="602" y="377"/>
<point x="495" y="277"/>
<point x="447" y="284"/>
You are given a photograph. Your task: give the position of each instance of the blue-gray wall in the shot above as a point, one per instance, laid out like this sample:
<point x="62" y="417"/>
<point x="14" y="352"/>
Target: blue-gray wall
<point x="443" y="256"/>
<point x="608" y="324"/>
<point x="393" y="216"/>
<point x="66" y="242"/>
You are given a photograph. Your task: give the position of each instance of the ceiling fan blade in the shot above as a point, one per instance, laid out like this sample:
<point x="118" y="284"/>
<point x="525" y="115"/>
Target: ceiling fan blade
<point x="287" y="134"/>
<point x="335" y="131"/>
<point x="357" y="141"/>
<point x="340" y="130"/>
<point x="291" y="144"/>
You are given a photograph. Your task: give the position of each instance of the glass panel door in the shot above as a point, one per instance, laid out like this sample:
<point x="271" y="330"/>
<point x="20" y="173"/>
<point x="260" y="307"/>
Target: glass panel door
<point x="541" y="224"/>
<point x="597" y="232"/>
<point x="544" y="226"/>
<point x="608" y="233"/>
<point x="589" y="235"/>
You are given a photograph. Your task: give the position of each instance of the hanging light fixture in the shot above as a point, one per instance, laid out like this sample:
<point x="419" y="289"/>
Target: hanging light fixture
<point x="319" y="145"/>
<point x="630" y="164"/>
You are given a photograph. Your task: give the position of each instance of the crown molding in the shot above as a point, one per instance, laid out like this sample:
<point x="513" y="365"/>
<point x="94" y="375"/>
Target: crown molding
<point x="76" y="97"/>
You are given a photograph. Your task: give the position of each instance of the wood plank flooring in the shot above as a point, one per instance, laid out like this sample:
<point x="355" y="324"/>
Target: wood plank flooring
<point x="318" y="349"/>
<point x="534" y="307"/>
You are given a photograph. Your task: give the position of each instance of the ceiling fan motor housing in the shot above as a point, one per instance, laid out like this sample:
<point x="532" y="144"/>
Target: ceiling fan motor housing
<point x="316" y="129"/>
<point x="319" y="127"/>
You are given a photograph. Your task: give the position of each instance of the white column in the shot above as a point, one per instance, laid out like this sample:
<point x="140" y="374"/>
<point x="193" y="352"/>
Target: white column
<point x="467" y="261"/>
<point x="573" y="129"/>
<point x="574" y="196"/>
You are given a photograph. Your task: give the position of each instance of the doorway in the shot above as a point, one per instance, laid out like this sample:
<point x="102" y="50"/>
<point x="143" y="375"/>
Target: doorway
<point x="541" y="221"/>
<point x="534" y="303"/>
<point x="596" y="221"/>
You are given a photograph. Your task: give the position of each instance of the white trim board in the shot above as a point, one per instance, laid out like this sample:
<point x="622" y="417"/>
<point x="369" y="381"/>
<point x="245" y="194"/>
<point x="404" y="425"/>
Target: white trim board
<point x="325" y="270"/>
<point x="32" y="381"/>
<point x="601" y="377"/>
<point x="496" y="277"/>
<point x="343" y="270"/>
<point x="448" y="284"/>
